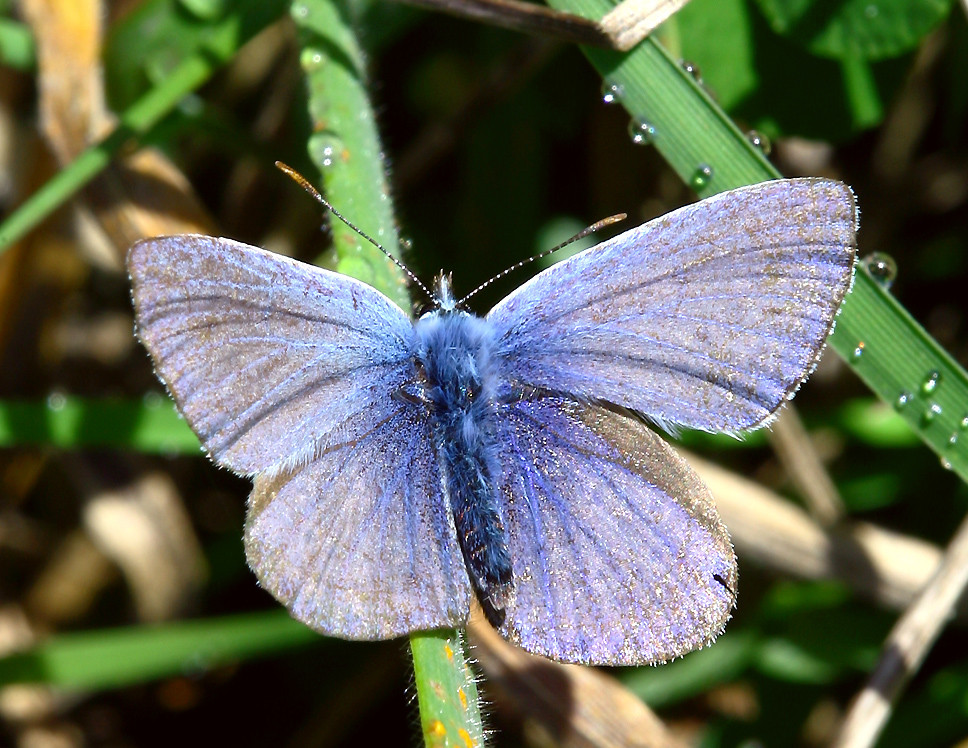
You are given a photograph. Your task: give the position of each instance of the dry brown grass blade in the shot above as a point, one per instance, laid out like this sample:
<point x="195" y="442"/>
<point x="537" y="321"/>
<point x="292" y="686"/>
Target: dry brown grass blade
<point x="142" y="195"/>
<point x="565" y="705"/>
<point x="143" y="527"/>
<point x="71" y="94"/>
<point x="907" y="645"/>
<point x="631" y="21"/>
<point x="885" y="567"/>
<point x="791" y="442"/>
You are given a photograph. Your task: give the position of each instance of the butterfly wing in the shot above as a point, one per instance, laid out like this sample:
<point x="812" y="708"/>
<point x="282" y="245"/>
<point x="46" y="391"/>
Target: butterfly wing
<point x="264" y="355"/>
<point x="290" y="372"/>
<point x="360" y="543"/>
<point x="709" y="317"/>
<point x="619" y="556"/>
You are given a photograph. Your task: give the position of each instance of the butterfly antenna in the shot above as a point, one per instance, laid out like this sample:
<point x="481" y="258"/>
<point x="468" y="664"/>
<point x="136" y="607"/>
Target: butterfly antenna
<point x="518" y="265"/>
<point x="304" y="183"/>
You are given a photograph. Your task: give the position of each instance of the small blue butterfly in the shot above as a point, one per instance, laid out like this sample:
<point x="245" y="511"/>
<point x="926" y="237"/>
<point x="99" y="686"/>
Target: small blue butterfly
<point x="401" y="468"/>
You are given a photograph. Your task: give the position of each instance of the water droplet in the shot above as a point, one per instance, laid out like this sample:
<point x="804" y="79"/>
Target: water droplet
<point x="191" y="106"/>
<point x="311" y="60"/>
<point x="642" y="133"/>
<point x="953" y="439"/>
<point x="933" y="411"/>
<point x="902" y="400"/>
<point x="882" y="268"/>
<point x="692" y="69"/>
<point x="859" y="350"/>
<point x="963" y="424"/>
<point x="760" y="142"/>
<point x="945" y="463"/>
<point x="56" y="400"/>
<point x="702" y="176"/>
<point x="406" y="243"/>
<point x="299" y="11"/>
<point x="612" y="92"/>
<point x="325" y="148"/>
<point x="152" y="400"/>
<point x="931" y="382"/>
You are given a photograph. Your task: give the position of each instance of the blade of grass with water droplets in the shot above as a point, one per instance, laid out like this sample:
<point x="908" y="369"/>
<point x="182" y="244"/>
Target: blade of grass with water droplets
<point x="347" y="153"/>
<point x="688" y="128"/>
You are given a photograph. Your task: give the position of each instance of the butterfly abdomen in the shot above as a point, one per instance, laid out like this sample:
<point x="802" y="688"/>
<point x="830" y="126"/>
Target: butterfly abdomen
<point x="455" y="355"/>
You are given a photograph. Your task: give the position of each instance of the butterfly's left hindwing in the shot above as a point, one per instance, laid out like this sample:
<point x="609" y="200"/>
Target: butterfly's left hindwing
<point x="619" y="556"/>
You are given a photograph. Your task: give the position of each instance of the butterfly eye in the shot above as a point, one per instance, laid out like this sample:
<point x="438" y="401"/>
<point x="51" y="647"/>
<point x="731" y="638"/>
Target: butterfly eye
<point x="414" y="391"/>
<point x="411" y="393"/>
<point x="427" y="307"/>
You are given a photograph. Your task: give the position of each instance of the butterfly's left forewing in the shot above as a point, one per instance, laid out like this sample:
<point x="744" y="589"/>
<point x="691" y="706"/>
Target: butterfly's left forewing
<point x="264" y="355"/>
<point x="709" y="317"/>
<point x="619" y="557"/>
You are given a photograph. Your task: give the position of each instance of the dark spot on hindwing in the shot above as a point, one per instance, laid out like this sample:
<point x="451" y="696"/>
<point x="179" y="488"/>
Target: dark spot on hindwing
<point x="719" y="578"/>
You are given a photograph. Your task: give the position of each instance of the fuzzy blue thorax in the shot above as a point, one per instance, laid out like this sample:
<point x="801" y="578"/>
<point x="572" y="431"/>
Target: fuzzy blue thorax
<point x="454" y="355"/>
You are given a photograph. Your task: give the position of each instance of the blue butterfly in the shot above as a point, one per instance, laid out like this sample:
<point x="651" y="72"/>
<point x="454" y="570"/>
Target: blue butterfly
<point x="401" y="468"/>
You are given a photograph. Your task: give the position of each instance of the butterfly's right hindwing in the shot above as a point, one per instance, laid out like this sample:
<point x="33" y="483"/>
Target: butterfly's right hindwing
<point x="619" y="556"/>
<point x="360" y="543"/>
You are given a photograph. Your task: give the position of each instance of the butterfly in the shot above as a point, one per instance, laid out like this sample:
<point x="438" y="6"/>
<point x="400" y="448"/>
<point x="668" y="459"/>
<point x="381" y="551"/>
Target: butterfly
<point x="402" y="468"/>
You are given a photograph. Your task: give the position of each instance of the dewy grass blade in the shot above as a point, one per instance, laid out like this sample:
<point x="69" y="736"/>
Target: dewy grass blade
<point x="345" y="145"/>
<point x="898" y="360"/>
<point x="346" y="149"/>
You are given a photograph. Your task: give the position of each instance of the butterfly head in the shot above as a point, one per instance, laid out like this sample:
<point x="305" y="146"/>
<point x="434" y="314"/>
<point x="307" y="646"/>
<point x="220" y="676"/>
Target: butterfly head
<point x="444" y="298"/>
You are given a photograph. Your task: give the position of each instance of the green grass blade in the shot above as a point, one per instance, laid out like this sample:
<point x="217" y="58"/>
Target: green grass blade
<point x="899" y="361"/>
<point x="249" y="17"/>
<point x="449" y="709"/>
<point x="152" y="426"/>
<point x="16" y="45"/>
<point x="691" y="131"/>
<point x="346" y="148"/>
<point x="112" y="658"/>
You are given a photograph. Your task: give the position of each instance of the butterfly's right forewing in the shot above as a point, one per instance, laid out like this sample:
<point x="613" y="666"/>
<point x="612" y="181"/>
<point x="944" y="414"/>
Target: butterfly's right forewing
<point x="709" y="317"/>
<point x="264" y="355"/>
